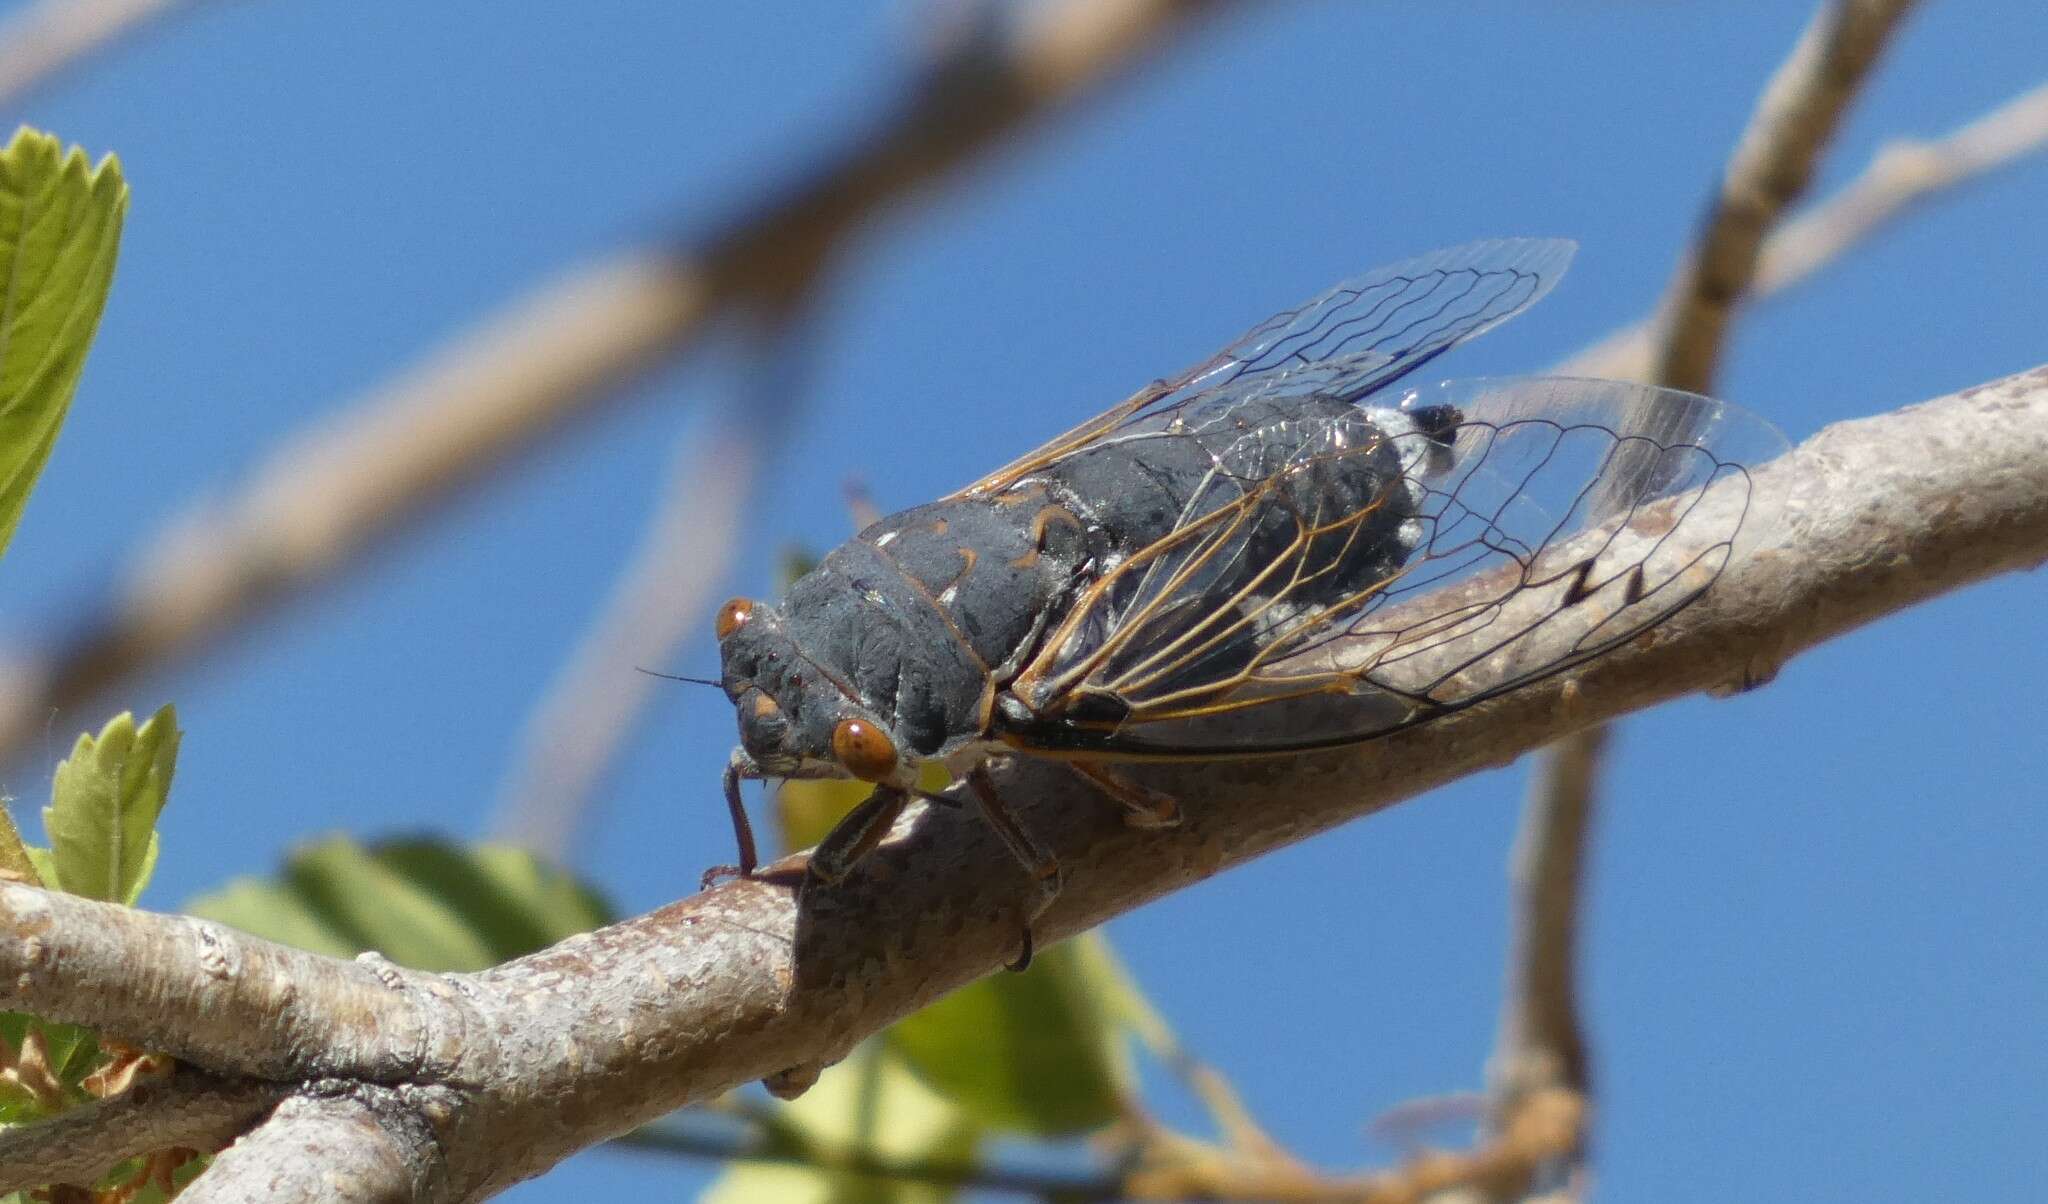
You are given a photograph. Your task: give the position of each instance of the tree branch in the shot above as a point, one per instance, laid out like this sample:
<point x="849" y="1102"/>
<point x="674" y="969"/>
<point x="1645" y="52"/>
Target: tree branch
<point x="340" y="1148"/>
<point x="191" y="1109"/>
<point x="552" y="358"/>
<point x="508" y="1071"/>
<point x="208" y="995"/>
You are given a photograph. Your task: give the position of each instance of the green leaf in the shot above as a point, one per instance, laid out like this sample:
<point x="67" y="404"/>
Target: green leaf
<point x="430" y="904"/>
<point x="869" y="1104"/>
<point x="45" y="865"/>
<point x="16" y="861"/>
<point x="60" y="229"/>
<point x="104" y="805"/>
<point x="72" y="1053"/>
<point x="1042" y="1052"/>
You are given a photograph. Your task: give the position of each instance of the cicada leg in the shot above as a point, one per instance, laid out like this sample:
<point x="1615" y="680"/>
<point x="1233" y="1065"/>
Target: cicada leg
<point x="742" y="831"/>
<point x="1043" y="867"/>
<point x="1143" y="806"/>
<point x="856" y="835"/>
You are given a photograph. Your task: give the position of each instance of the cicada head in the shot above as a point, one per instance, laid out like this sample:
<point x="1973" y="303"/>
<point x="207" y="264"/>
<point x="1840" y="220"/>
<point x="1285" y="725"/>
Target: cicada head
<point x="795" y="721"/>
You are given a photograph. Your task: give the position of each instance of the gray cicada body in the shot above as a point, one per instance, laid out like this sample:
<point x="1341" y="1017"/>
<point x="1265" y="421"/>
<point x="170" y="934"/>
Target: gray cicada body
<point x="1274" y="552"/>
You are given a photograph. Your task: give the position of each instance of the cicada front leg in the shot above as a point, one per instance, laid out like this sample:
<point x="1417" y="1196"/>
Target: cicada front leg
<point x="856" y="834"/>
<point x="1043" y="867"/>
<point x="743" y="831"/>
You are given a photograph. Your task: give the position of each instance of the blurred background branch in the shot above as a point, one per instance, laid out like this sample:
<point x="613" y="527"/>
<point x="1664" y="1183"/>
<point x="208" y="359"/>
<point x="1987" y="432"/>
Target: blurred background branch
<point x="1541" y="1049"/>
<point x="1903" y="175"/>
<point x="544" y="361"/>
<point x="48" y="37"/>
<point x="1795" y="118"/>
<point x="549" y="362"/>
<point x="596" y="705"/>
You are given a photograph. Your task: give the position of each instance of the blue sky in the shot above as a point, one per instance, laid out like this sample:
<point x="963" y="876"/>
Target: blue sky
<point x="1815" y="964"/>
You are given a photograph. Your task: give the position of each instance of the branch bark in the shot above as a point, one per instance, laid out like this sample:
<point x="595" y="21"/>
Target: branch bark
<point x="486" y="1079"/>
<point x="194" y="1110"/>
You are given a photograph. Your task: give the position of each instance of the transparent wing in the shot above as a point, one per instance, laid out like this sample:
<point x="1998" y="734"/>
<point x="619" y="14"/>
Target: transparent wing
<point x="1323" y="589"/>
<point x="1357" y="338"/>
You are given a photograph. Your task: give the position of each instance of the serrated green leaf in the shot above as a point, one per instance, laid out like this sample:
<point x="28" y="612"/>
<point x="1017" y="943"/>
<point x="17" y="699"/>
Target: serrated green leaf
<point x="60" y="230"/>
<point x="104" y="804"/>
<point x="1042" y="1052"/>
<point x="429" y="904"/>
<point x="45" y="865"/>
<point x="869" y="1103"/>
<point x="16" y="862"/>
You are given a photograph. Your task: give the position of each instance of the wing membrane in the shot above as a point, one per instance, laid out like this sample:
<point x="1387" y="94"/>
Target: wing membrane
<point x="1349" y="342"/>
<point x="1553" y="526"/>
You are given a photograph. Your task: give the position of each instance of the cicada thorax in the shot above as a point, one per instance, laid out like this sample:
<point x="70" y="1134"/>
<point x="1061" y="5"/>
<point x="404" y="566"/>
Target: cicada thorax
<point x="918" y="617"/>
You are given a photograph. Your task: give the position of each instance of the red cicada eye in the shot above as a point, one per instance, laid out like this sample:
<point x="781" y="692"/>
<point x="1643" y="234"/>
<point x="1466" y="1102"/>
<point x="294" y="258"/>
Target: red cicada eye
<point x="865" y="750"/>
<point x="733" y="616"/>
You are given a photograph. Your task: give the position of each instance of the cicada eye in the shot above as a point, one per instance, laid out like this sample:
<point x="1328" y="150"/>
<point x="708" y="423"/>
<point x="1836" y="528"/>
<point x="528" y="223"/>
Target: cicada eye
<point x="865" y="750"/>
<point x="733" y="616"/>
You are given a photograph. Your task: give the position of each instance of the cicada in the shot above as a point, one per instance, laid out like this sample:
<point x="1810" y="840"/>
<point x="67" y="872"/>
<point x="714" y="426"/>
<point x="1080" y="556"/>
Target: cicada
<point x="1285" y="548"/>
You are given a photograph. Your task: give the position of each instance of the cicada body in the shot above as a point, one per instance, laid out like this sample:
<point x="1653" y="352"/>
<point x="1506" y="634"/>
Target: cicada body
<point x="1276" y="551"/>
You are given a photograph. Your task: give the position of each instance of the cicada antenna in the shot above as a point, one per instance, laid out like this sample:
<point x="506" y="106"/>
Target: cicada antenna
<point x="695" y="681"/>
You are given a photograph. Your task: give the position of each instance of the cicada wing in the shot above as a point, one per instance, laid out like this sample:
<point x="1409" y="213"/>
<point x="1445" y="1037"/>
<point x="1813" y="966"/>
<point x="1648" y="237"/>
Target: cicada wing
<point x="1550" y="529"/>
<point x="1357" y="338"/>
<point x="1295" y="515"/>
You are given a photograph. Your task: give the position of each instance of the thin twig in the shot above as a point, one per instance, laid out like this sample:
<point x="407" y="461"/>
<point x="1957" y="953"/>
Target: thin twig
<point x="550" y="359"/>
<point x="48" y="36"/>
<point x="1541" y="1046"/>
<point x="499" y="1075"/>
<point x="1903" y="175"/>
<point x="1188" y="1172"/>
<point x="1544" y="1127"/>
<point x="1794" y="120"/>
